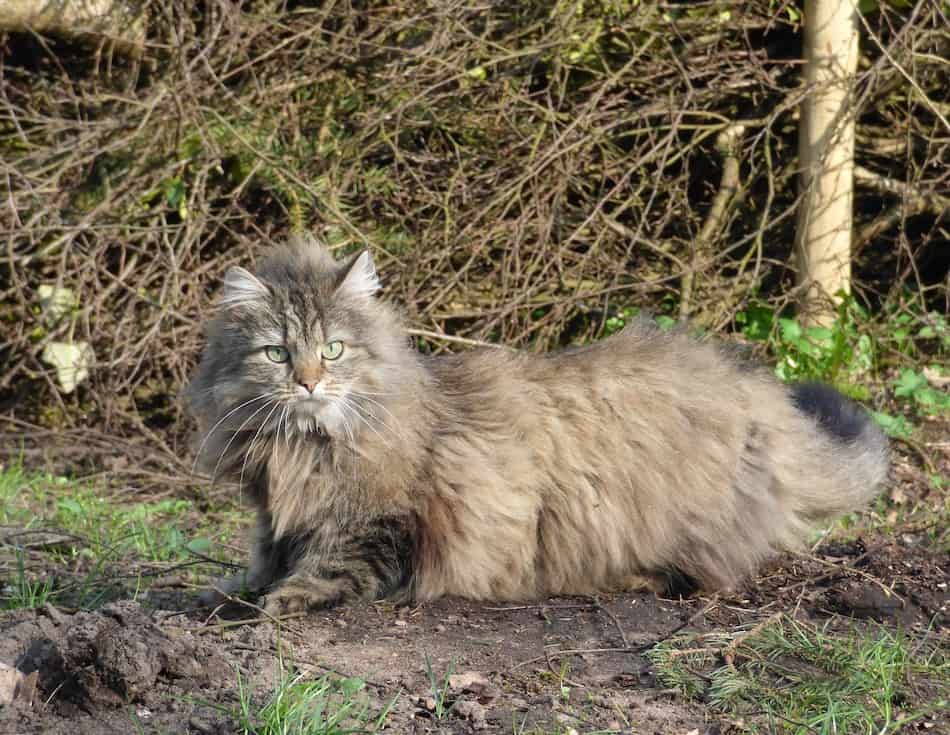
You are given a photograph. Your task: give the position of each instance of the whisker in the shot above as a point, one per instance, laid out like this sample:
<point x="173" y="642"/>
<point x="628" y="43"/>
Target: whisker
<point x="250" y="447"/>
<point x="365" y="396"/>
<point x="348" y="402"/>
<point x="286" y="426"/>
<point x="227" y="446"/>
<point x="218" y="423"/>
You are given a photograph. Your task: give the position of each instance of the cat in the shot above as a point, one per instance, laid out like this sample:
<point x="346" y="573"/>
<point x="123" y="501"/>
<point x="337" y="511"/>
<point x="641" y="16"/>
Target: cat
<point x="645" y="460"/>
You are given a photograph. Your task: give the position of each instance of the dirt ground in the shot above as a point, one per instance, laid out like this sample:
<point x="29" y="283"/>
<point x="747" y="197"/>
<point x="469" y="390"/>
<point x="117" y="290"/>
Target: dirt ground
<point x="575" y="662"/>
<point x="163" y="665"/>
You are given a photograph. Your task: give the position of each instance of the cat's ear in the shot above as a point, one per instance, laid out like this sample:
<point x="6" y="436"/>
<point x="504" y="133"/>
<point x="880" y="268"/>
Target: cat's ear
<point x="241" y="287"/>
<point x="358" y="277"/>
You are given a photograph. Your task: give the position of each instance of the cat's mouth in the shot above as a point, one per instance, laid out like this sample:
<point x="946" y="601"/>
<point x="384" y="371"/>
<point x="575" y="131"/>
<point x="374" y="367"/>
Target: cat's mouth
<point x="311" y="415"/>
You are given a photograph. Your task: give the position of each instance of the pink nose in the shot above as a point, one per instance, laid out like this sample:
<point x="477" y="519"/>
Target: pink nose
<point x="309" y="386"/>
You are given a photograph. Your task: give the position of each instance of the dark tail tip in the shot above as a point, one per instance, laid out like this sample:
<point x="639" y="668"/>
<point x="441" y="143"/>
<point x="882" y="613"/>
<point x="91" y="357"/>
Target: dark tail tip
<point x="839" y="416"/>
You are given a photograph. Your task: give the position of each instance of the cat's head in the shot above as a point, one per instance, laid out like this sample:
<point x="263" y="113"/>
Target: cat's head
<point x="301" y="345"/>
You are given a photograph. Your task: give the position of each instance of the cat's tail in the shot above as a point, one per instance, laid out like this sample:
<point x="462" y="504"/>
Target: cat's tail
<point x="849" y="450"/>
<point x="810" y="455"/>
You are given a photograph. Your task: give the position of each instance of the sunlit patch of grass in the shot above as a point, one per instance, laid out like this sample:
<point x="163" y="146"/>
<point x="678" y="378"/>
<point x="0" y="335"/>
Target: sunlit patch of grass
<point x="790" y="677"/>
<point x="301" y="706"/>
<point x="55" y="522"/>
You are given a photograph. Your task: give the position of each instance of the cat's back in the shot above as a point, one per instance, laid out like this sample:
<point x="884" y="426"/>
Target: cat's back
<point x="640" y="374"/>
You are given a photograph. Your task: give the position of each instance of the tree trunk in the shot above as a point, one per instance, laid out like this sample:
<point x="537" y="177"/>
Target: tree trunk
<point x="826" y="156"/>
<point x="119" y="23"/>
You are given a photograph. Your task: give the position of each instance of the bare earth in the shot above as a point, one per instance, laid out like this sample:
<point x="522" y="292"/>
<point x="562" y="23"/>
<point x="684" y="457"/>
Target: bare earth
<point x="566" y="663"/>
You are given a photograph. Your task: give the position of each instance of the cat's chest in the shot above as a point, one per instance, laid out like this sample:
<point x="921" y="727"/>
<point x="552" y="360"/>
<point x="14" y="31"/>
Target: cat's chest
<point x="304" y="489"/>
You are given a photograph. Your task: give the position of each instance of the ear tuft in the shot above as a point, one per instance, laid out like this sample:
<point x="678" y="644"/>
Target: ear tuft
<point x="241" y="287"/>
<point x="359" y="276"/>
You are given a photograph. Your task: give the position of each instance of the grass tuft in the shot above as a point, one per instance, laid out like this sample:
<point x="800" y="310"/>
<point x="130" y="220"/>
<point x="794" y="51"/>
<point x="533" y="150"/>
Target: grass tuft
<point x="791" y="677"/>
<point x="440" y="689"/>
<point x="300" y="706"/>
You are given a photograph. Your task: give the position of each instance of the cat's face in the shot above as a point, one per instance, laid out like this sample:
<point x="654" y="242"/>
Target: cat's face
<point x="302" y="346"/>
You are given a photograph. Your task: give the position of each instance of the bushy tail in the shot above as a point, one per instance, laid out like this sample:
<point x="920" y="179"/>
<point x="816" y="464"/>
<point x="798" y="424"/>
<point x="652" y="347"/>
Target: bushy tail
<point x="855" y="452"/>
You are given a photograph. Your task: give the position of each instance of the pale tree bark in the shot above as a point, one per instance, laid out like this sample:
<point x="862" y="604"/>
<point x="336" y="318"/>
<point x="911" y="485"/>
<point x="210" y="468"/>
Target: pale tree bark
<point x="117" y="24"/>
<point x="826" y="156"/>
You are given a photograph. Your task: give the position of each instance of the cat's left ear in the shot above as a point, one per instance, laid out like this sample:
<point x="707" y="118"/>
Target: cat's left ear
<point x="358" y="277"/>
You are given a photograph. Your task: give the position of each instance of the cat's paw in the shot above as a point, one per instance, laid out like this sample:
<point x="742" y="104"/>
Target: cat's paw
<point x="223" y="590"/>
<point x="301" y="595"/>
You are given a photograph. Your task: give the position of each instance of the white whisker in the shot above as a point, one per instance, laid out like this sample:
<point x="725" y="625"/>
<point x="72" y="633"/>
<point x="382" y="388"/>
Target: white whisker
<point x="349" y="403"/>
<point x="360" y="394"/>
<point x="250" y="447"/>
<point x="218" y="423"/>
<point x="214" y="473"/>
<point x="286" y="426"/>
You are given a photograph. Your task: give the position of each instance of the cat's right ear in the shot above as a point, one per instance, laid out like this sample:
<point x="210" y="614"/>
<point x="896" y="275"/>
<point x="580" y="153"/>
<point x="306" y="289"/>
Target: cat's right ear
<point x="241" y="287"/>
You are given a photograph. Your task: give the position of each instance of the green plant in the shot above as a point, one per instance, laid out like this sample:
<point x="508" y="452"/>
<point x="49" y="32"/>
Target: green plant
<point x="619" y="320"/>
<point x="896" y="427"/>
<point x="23" y="593"/>
<point x="440" y="690"/>
<point x="94" y="531"/>
<point x="914" y="386"/>
<point x="97" y="524"/>
<point x="301" y="706"/>
<point x="842" y="354"/>
<point x="806" y="679"/>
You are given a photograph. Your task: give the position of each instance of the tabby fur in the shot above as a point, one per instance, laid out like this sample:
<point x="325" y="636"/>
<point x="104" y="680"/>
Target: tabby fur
<point x="645" y="459"/>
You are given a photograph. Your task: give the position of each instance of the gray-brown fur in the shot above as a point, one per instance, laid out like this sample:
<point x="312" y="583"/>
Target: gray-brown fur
<point x="646" y="457"/>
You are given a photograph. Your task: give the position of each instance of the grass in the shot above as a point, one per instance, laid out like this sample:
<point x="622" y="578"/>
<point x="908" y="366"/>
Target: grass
<point x="23" y="592"/>
<point x="298" y="705"/>
<point x="784" y="676"/>
<point x="440" y="689"/>
<point x="55" y="522"/>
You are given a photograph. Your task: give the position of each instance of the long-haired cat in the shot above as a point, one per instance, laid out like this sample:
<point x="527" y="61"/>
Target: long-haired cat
<point x="379" y="472"/>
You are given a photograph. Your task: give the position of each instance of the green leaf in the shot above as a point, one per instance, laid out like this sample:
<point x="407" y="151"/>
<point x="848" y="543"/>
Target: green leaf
<point x="820" y="335"/>
<point x="666" y="323"/>
<point x="757" y="322"/>
<point x="199" y="545"/>
<point x="909" y="382"/>
<point x="351" y="685"/>
<point x="70" y="505"/>
<point x="174" y="192"/>
<point x="71" y="362"/>
<point x="791" y="331"/>
<point x="897" y="427"/>
<point x="56" y="302"/>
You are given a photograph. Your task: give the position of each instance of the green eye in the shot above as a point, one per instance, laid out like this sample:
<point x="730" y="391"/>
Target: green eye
<point x="276" y="353"/>
<point x="332" y="350"/>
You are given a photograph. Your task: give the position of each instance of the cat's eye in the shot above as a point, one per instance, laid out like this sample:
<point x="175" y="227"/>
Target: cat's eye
<point x="332" y="350"/>
<point x="276" y="353"/>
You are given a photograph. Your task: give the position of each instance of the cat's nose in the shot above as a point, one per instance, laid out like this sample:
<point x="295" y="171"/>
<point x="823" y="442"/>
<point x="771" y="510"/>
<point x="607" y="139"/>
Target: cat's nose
<point x="308" y="375"/>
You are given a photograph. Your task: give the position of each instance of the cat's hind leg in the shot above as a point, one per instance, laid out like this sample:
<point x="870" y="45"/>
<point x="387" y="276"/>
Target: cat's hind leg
<point x="372" y="563"/>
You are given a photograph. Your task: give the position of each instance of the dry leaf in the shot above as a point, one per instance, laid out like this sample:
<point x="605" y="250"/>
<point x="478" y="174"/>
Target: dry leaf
<point x="55" y="302"/>
<point x="71" y="361"/>
<point x="473" y="680"/>
<point x="935" y="378"/>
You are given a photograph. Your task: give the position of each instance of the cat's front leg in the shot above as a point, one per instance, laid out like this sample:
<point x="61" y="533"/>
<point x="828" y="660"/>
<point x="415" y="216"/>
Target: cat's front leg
<point x="268" y="563"/>
<point x="371" y="563"/>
